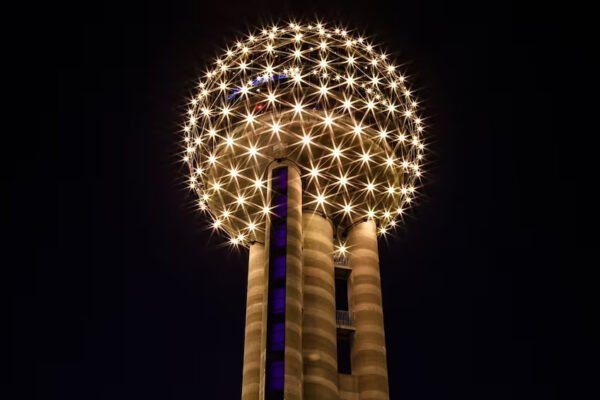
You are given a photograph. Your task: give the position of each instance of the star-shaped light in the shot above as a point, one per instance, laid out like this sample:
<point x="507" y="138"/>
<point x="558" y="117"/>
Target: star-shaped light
<point x="319" y="97"/>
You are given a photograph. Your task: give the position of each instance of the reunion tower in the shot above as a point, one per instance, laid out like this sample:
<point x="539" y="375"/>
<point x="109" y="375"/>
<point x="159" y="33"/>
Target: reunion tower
<point x="304" y="144"/>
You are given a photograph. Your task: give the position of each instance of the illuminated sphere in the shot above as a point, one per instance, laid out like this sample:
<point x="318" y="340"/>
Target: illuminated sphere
<point x="319" y="97"/>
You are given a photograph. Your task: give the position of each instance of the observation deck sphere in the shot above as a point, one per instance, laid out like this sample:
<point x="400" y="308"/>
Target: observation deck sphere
<point x="319" y="97"/>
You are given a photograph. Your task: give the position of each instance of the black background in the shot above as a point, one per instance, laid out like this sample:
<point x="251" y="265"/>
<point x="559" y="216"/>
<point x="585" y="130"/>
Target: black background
<point x="128" y="296"/>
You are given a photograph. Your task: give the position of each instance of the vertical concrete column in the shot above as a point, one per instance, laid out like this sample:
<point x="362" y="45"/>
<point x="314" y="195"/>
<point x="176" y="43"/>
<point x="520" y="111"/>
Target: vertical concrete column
<point x="292" y="273"/>
<point x="368" y="349"/>
<point x="319" y="332"/>
<point x="294" y="293"/>
<point x="254" y="323"/>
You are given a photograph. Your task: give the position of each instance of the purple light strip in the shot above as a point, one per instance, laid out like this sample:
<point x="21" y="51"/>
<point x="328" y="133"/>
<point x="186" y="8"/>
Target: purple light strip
<point x="277" y="280"/>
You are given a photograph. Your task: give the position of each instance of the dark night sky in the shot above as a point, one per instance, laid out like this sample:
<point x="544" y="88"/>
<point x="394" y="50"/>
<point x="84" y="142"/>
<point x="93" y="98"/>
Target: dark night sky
<point x="128" y="297"/>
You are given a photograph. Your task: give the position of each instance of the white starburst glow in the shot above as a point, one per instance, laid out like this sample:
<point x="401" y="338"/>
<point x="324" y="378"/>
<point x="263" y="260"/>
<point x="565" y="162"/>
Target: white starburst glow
<point x="336" y="152"/>
<point x="333" y="103"/>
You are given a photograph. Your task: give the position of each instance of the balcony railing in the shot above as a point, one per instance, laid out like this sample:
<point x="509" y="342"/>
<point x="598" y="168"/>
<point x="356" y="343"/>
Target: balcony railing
<point x="342" y="269"/>
<point x="341" y="261"/>
<point x="343" y="319"/>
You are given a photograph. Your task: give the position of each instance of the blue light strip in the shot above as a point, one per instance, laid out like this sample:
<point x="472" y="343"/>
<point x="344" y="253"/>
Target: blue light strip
<point x="275" y="371"/>
<point x="257" y="82"/>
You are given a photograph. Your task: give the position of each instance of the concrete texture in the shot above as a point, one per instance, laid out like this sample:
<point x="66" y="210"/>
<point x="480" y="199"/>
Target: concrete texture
<point x="254" y="323"/>
<point x="368" y="349"/>
<point x="319" y="333"/>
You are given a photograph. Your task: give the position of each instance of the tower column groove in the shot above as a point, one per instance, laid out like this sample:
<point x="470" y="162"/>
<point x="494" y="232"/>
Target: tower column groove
<point x="319" y="332"/>
<point x="294" y="292"/>
<point x="368" y="349"/>
<point x="282" y="343"/>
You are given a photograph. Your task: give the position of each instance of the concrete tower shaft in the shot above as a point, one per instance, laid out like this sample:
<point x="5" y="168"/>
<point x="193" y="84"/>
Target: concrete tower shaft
<point x="292" y="331"/>
<point x="282" y="313"/>
<point x="251" y="379"/>
<point x="368" y="348"/>
<point x="319" y="327"/>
